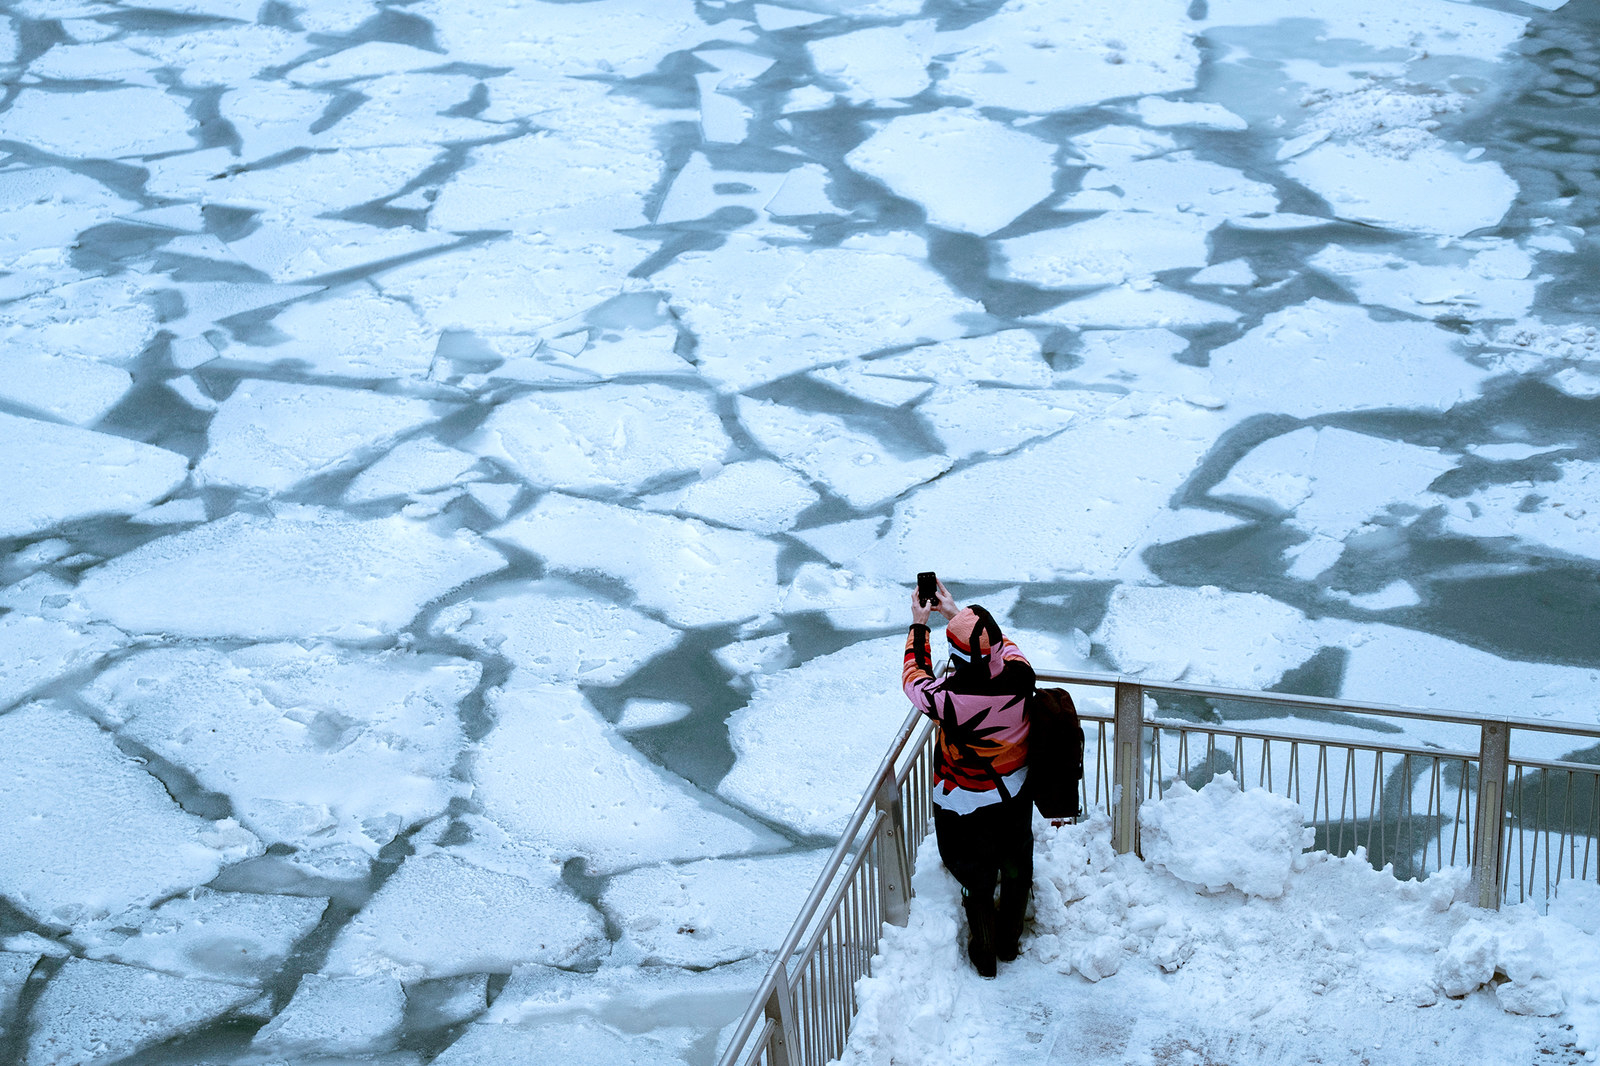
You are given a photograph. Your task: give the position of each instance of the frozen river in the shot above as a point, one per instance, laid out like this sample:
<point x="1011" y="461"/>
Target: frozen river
<point x="468" y="460"/>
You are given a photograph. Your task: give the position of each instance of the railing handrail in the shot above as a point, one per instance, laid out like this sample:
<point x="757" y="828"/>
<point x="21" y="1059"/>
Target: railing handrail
<point x="771" y="1007"/>
<point x="1321" y="703"/>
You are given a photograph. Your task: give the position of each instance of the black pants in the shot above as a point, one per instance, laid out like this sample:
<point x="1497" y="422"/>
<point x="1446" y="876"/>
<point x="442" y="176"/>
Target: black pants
<point x="992" y="844"/>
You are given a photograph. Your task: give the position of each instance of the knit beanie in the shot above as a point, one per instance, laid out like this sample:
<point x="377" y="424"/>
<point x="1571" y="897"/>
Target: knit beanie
<point x="959" y="632"/>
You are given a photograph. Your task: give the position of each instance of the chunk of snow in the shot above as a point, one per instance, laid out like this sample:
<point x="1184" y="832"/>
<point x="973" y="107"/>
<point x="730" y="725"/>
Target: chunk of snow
<point x="308" y="744"/>
<point x="781" y="771"/>
<point x="762" y="311"/>
<point x="272" y="435"/>
<point x="59" y="473"/>
<point x="709" y="912"/>
<point x="690" y="572"/>
<point x="1256" y="834"/>
<point x="938" y="158"/>
<point x="804" y="192"/>
<point x="1107" y="250"/>
<point x="336" y="1016"/>
<point x="86" y="831"/>
<point x="854" y="465"/>
<point x="1158" y="112"/>
<point x="439" y="916"/>
<point x="555" y="632"/>
<point x="649" y="714"/>
<point x="303" y="572"/>
<point x="237" y="937"/>
<point x="590" y="794"/>
<point x="1233" y="272"/>
<point x="1430" y="191"/>
<point x="99" y="1012"/>
<point x="772" y="18"/>
<point x="759" y="495"/>
<point x="617" y="437"/>
<point x="1344" y="360"/>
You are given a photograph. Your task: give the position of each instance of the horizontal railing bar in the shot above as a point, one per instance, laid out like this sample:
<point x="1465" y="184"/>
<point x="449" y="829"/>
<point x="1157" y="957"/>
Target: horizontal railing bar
<point x="1315" y="702"/>
<point x="825" y="877"/>
<point x="1557" y="764"/>
<point x="1184" y="725"/>
<point x="840" y="887"/>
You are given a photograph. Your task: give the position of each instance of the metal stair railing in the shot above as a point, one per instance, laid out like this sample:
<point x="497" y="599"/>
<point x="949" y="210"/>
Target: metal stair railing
<point x="1522" y="825"/>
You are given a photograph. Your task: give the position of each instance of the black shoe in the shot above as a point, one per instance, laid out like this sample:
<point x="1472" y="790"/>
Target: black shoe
<point x="980" y="942"/>
<point x="1008" y="923"/>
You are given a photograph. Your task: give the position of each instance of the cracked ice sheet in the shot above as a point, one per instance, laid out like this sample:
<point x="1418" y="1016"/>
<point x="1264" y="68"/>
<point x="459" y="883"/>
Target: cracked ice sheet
<point x="1066" y="517"/>
<point x="1014" y="58"/>
<point x="621" y="437"/>
<point x="693" y="574"/>
<point x="1431" y="190"/>
<point x="559" y="782"/>
<point x="356" y="333"/>
<point x="1423" y="27"/>
<point x="302" y="572"/>
<point x="764" y="311"/>
<point x="555" y="632"/>
<point x="938" y="158"/>
<point x="1332" y="481"/>
<point x="311" y="746"/>
<point x="272" y="435"/>
<point x="47" y="207"/>
<point x="1343" y="360"/>
<point x="322" y="182"/>
<point x="709" y="912"/>
<point x="86" y="831"/>
<point x="882" y="64"/>
<point x="520" y="283"/>
<point x="970" y="420"/>
<point x="1482" y="280"/>
<point x="1107" y="250"/>
<point x="440" y="915"/>
<point x="60" y="386"/>
<point x="413" y="468"/>
<point x="1562" y="514"/>
<point x="36" y="650"/>
<point x="856" y="466"/>
<point x="852" y="697"/>
<point x="59" y="473"/>
<point x="1135" y="169"/>
<point x="336" y="1016"/>
<point x="1136" y="307"/>
<point x="93" y="125"/>
<point x="1011" y="357"/>
<point x="699" y="189"/>
<point x="623" y="37"/>
<point x="105" y="318"/>
<point x="237" y="937"/>
<point x="100" y="1012"/>
<point x="758" y="495"/>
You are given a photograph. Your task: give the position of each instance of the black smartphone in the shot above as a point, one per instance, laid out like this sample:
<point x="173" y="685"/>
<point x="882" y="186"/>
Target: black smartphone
<point x="927" y="587"/>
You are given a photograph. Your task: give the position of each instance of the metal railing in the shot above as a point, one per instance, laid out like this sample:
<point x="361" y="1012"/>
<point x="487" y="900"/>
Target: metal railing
<point x="1523" y="825"/>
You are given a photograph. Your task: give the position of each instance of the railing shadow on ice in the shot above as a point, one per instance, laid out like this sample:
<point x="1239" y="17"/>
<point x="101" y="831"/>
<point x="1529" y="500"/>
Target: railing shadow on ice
<point x="1459" y="796"/>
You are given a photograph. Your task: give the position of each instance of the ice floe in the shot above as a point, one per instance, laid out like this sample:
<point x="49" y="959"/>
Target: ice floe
<point x="440" y="916"/>
<point x="559" y="782"/>
<point x="1065" y="514"/>
<point x="1010" y="357"/>
<point x="692" y="573"/>
<point x="618" y="438"/>
<point x="87" y="123"/>
<point x="1471" y="282"/>
<point x="762" y="311"/>
<point x="708" y="912"/>
<point x="1439" y="27"/>
<point x="1342" y="360"/>
<point x="854" y="465"/>
<point x="352" y="333"/>
<point x="1134" y="169"/>
<point x="882" y="64"/>
<point x="1137" y="307"/>
<point x="34" y="651"/>
<point x="338" y="748"/>
<point x="100" y="1012"/>
<point x="626" y="37"/>
<point x="1563" y="514"/>
<point x="302" y="572"/>
<point x="969" y="420"/>
<point x="87" y="832"/>
<point x="59" y="473"/>
<point x="271" y="435"/>
<point x="1107" y="250"/>
<point x="336" y="1016"/>
<point x="1014" y="58"/>
<point x="938" y="158"/>
<point x="853" y="698"/>
<point x="236" y="937"/>
<point x="61" y="386"/>
<point x="411" y="468"/>
<point x="1430" y="190"/>
<point x="555" y="632"/>
<point x="1156" y="111"/>
<point x="759" y="495"/>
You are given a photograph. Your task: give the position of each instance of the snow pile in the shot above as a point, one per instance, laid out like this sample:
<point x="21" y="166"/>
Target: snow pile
<point x="1316" y="959"/>
<point x="1252" y="839"/>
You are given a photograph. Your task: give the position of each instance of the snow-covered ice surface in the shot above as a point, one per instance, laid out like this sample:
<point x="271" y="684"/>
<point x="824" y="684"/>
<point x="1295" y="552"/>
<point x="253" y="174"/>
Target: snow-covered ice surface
<point x="466" y="462"/>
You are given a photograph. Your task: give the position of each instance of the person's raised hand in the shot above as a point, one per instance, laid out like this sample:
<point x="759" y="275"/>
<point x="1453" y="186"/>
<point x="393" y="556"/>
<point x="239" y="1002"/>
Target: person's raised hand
<point x="919" y="610"/>
<point x="946" y="603"/>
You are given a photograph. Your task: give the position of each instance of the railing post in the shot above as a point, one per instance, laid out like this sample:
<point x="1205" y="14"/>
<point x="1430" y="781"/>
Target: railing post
<point x="1127" y="782"/>
<point x="894" y="865"/>
<point x="1494" y="757"/>
<point x="785" y="1047"/>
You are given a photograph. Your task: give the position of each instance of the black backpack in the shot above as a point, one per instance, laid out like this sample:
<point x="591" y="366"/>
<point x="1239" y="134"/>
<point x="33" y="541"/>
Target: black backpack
<point x="1055" y="752"/>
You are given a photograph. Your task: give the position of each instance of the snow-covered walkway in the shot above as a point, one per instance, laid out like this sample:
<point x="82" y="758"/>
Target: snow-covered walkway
<point x="1286" y="958"/>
